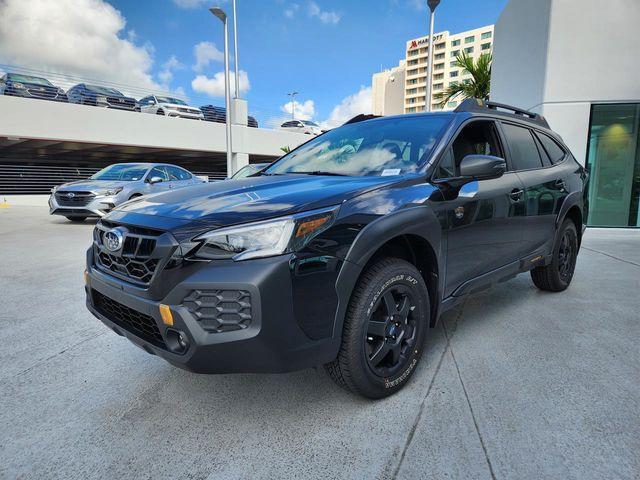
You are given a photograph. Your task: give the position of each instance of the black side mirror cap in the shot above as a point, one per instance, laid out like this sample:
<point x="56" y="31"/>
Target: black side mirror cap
<point x="482" y="167"/>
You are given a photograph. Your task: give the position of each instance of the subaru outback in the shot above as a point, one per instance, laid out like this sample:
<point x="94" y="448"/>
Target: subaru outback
<point x="345" y="251"/>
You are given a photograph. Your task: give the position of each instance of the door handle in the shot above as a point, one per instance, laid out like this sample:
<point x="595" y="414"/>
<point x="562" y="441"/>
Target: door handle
<point x="516" y="194"/>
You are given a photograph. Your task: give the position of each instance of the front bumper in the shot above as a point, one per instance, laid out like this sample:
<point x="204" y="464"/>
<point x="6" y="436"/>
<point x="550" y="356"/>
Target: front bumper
<point x="272" y="342"/>
<point x="98" y="207"/>
<point x="178" y="114"/>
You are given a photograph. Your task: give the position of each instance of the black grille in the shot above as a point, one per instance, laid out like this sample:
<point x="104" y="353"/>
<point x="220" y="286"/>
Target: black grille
<point x="133" y="321"/>
<point x="74" y="199"/>
<point x="137" y="260"/>
<point x="220" y="310"/>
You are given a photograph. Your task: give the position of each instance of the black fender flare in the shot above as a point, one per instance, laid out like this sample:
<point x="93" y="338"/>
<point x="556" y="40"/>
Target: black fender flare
<point x="419" y="221"/>
<point x="574" y="199"/>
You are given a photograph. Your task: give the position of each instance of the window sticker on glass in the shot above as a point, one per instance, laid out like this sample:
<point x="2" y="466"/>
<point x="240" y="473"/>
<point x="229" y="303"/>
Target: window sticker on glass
<point x="387" y="172"/>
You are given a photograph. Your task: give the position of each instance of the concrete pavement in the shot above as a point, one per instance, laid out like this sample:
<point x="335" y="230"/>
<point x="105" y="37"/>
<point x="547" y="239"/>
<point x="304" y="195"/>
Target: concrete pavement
<point x="516" y="383"/>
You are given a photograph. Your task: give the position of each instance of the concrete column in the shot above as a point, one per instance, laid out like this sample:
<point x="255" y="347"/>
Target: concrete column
<point x="240" y="117"/>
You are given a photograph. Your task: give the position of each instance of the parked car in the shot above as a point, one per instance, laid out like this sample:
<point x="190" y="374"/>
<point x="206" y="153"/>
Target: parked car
<point x="302" y="126"/>
<point x="169" y="106"/>
<point x="218" y="114"/>
<point x="250" y="169"/>
<point x="28" y="86"/>
<point x="115" y="185"/>
<point x="346" y="250"/>
<point x="98" y="96"/>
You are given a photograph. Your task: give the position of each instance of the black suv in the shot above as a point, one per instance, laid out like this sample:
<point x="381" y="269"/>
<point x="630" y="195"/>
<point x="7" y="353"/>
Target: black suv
<point x="98" y="96"/>
<point x="28" y="86"/>
<point x="344" y="251"/>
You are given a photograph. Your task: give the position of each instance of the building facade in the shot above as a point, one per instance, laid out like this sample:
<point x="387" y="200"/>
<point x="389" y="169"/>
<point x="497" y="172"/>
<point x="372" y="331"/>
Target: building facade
<point x="576" y="62"/>
<point x="446" y="47"/>
<point x="387" y="91"/>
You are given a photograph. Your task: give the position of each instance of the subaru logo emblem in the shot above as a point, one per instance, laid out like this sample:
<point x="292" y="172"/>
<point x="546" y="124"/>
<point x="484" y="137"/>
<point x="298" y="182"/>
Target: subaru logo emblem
<point x="113" y="239"/>
<point x="71" y="195"/>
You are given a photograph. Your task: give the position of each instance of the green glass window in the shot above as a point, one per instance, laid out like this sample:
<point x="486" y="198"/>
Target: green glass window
<point x="613" y="161"/>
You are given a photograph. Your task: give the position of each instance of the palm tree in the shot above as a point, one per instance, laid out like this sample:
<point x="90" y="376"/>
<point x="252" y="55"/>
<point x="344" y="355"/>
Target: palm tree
<point x="478" y="86"/>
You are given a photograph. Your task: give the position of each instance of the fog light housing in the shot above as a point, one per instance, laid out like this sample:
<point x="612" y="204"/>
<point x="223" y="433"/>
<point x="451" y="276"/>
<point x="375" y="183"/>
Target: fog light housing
<point x="177" y="341"/>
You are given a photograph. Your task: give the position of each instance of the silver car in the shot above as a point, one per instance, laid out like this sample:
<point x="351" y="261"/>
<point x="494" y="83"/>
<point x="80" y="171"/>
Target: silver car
<point x="111" y="186"/>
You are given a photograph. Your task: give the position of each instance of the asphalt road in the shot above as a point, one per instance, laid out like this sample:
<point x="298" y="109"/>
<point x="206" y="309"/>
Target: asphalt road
<point x="516" y="383"/>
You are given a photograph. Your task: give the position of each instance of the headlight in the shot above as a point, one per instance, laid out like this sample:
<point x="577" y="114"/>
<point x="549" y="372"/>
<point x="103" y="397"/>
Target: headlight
<point x="60" y="90"/>
<point x="101" y="99"/>
<point x="54" y="189"/>
<point x="264" y="239"/>
<point x="113" y="191"/>
<point x="18" y="85"/>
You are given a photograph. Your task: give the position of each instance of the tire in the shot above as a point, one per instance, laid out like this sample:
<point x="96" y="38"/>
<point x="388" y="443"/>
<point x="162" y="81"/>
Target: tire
<point x="557" y="276"/>
<point x="76" y="219"/>
<point x="377" y="356"/>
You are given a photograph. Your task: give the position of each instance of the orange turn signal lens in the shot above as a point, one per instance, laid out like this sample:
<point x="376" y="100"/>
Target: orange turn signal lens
<point x="167" y="316"/>
<point x="86" y="277"/>
<point x="310" y="226"/>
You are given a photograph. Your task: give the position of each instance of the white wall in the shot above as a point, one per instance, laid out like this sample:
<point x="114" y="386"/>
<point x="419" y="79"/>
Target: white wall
<point x="40" y="119"/>
<point x="557" y="57"/>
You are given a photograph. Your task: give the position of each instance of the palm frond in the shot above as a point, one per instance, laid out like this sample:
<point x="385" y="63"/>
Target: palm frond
<point x="478" y="86"/>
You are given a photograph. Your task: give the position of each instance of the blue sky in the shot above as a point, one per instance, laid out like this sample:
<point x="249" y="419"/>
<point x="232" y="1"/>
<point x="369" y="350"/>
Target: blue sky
<point x="325" y="49"/>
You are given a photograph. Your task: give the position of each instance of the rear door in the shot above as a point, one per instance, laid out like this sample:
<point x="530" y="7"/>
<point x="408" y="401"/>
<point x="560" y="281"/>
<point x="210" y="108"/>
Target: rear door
<point x="544" y="187"/>
<point x="179" y="177"/>
<point x="483" y="233"/>
<point x="160" y="172"/>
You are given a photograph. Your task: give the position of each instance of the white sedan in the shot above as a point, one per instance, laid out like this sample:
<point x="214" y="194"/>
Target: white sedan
<point x="302" y="126"/>
<point x="169" y="106"/>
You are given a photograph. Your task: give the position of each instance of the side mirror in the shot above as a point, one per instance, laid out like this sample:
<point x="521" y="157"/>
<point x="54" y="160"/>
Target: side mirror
<point x="156" y="180"/>
<point x="482" y="167"/>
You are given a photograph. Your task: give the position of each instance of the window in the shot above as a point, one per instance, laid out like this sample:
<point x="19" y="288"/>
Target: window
<point x="411" y="100"/>
<point x="411" y="90"/>
<point x="439" y="66"/>
<point x="413" y="81"/>
<point x="524" y="153"/>
<point x="452" y="104"/>
<point x="454" y="73"/>
<point x="413" y="53"/>
<point x="412" y="72"/>
<point x="412" y="62"/>
<point x="158" y="172"/>
<point x="447" y="167"/>
<point x="438" y="56"/>
<point x="468" y="50"/>
<point x="367" y="148"/>
<point x="176" y="173"/>
<point x="485" y="46"/>
<point x="438" y="76"/>
<point x="455" y="43"/>
<point x="555" y="152"/>
<point x="477" y="138"/>
<point x="470" y="39"/>
<point x="455" y="53"/>
<point x="411" y="110"/>
<point x="440" y="46"/>
<point x="486" y="35"/>
<point x="453" y="64"/>
<point x="438" y="86"/>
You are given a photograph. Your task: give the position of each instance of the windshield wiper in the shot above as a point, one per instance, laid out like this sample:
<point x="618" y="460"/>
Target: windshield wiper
<point x="320" y="172"/>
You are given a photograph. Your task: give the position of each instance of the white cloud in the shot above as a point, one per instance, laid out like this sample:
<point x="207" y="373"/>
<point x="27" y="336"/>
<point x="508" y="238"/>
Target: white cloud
<point x="303" y="111"/>
<point x="349" y="107"/>
<point x="214" y="87"/>
<point x="325" y="16"/>
<point x="291" y="10"/>
<point x="74" y="37"/>
<point x="168" y="67"/>
<point x="205" y="53"/>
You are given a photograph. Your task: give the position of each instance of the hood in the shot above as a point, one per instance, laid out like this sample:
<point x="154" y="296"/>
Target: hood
<point x="89" y="185"/>
<point x="231" y="202"/>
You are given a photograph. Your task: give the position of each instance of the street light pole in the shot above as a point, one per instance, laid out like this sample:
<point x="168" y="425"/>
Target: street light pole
<point x="293" y="104"/>
<point x="235" y="49"/>
<point x="432" y="7"/>
<point x="219" y="13"/>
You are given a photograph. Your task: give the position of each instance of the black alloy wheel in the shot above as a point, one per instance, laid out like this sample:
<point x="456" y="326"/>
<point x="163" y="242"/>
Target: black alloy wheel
<point x="557" y="275"/>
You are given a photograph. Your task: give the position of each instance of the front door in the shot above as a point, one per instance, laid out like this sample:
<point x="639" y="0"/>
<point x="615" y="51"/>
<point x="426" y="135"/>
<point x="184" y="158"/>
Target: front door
<point x="482" y="218"/>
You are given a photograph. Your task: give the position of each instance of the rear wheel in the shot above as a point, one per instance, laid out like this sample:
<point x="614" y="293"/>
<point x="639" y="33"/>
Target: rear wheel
<point x="76" y="219"/>
<point x="557" y="276"/>
<point x="383" y="331"/>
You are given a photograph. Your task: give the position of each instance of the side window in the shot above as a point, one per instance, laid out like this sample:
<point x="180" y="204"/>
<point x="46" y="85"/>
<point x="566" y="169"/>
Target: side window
<point x="555" y="152"/>
<point x="158" y="172"/>
<point x="524" y="153"/>
<point x="176" y="173"/>
<point x="447" y="166"/>
<point x="477" y="138"/>
<point x="546" y="161"/>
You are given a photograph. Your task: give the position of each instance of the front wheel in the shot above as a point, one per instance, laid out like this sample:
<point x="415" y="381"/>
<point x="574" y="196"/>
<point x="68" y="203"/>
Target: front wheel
<point x="557" y="276"/>
<point x="384" y="330"/>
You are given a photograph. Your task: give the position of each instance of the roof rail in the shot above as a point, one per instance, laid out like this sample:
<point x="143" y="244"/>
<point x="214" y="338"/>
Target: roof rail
<point x="361" y="118"/>
<point x="477" y="105"/>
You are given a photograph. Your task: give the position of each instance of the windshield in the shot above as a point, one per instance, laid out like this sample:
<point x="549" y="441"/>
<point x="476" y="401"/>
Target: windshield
<point x="311" y="124"/>
<point x="126" y="173"/>
<point x="380" y="147"/>
<point x="28" y="79"/>
<point x="177" y="101"/>
<point x="249" y="170"/>
<point x="103" y="90"/>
